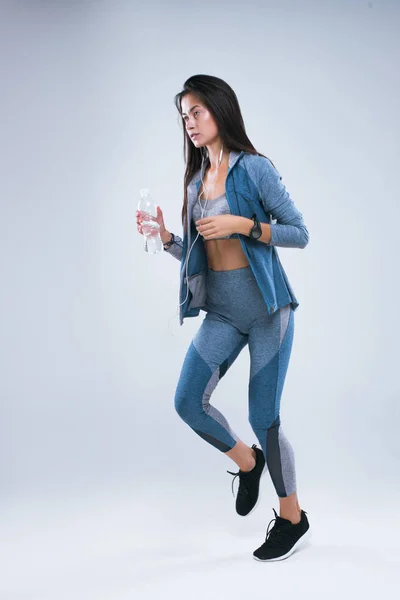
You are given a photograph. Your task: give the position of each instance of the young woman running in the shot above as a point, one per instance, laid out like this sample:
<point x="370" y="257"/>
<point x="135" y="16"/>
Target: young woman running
<point x="231" y="270"/>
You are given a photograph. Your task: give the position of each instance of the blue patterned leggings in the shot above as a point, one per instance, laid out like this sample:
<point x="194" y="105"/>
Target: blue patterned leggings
<point x="237" y="316"/>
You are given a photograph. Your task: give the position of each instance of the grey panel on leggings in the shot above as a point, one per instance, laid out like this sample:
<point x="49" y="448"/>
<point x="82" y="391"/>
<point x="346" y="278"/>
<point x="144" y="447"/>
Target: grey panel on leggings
<point x="288" y="463"/>
<point x="280" y="460"/>
<point x="211" y="410"/>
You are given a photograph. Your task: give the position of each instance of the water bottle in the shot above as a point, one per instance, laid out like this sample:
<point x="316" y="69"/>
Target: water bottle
<point x="151" y="229"/>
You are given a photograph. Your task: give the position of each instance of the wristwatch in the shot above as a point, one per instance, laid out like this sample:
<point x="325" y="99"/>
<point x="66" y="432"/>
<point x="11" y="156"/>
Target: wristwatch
<point x="255" y="231"/>
<point x="168" y="245"/>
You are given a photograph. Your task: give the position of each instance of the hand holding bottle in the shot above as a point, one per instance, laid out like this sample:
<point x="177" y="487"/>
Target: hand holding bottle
<point x="150" y="223"/>
<point x="141" y="216"/>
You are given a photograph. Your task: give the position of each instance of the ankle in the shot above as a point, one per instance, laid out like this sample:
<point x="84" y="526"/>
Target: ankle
<point x="243" y="456"/>
<point x="293" y="517"/>
<point x="250" y="462"/>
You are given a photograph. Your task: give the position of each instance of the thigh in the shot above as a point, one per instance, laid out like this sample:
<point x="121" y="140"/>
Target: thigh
<point x="270" y="344"/>
<point x="214" y="348"/>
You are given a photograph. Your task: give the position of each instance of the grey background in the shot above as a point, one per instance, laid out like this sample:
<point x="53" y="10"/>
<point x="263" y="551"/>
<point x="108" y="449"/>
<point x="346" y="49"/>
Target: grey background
<point x="91" y="347"/>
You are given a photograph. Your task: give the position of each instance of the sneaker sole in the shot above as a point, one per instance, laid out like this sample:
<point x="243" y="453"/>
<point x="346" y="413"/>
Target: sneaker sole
<point x="304" y="538"/>
<point x="259" y="495"/>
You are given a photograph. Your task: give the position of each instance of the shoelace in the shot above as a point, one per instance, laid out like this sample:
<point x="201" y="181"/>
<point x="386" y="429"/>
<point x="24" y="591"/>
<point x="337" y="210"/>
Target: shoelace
<point x="277" y="534"/>
<point x="241" y="480"/>
<point x="242" y="475"/>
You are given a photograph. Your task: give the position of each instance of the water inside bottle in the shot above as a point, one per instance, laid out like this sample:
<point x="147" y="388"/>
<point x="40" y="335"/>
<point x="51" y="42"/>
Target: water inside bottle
<point x="150" y="228"/>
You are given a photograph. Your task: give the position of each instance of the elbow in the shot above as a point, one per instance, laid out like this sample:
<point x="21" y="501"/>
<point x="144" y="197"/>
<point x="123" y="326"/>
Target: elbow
<point x="289" y="236"/>
<point x="304" y="237"/>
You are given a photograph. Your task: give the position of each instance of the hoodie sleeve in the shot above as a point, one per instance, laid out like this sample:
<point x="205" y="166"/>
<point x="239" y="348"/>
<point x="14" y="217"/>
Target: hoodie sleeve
<point x="290" y="230"/>
<point x="176" y="249"/>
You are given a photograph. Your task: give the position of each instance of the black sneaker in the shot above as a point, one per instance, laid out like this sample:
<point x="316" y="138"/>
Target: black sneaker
<point x="249" y="484"/>
<point x="284" y="538"/>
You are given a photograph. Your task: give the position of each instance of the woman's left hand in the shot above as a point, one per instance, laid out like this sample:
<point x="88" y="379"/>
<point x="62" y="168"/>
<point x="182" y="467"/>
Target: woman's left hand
<point x="217" y="226"/>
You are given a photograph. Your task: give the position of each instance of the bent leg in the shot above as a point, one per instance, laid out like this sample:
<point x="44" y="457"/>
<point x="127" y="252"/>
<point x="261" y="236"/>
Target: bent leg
<point x="270" y="344"/>
<point x="210" y="354"/>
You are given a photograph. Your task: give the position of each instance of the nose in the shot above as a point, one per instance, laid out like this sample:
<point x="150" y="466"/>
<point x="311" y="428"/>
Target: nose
<point x="191" y="130"/>
<point x="188" y="124"/>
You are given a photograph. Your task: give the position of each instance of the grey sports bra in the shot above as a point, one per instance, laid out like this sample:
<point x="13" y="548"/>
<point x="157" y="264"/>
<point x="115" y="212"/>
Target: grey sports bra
<point x="218" y="206"/>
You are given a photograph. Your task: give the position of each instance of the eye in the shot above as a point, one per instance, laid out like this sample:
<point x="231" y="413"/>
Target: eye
<point x="196" y="111"/>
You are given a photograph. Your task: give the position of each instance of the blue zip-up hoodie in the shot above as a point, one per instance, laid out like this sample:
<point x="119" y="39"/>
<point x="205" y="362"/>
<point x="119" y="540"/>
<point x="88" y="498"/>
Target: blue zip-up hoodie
<point x="253" y="185"/>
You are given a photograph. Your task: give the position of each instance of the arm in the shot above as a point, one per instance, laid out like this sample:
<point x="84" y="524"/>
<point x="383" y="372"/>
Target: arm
<point x="244" y="226"/>
<point x="177" y="247"/>
<point x="290" y="230"/>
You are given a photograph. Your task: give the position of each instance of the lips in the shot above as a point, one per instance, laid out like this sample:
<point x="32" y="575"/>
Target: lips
<point x="194" y="135"/>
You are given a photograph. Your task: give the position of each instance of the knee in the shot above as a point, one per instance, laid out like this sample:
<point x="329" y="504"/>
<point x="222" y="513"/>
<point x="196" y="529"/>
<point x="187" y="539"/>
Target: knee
<point x="183" y="406"/>
<point x="189" y="408"/>
<point x="179" y="403"/>
<point x="263" y="423"/>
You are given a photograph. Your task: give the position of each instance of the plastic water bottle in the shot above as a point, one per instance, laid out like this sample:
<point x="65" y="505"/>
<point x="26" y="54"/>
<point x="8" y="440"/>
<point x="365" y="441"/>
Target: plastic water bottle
<point x="151" y="229"/>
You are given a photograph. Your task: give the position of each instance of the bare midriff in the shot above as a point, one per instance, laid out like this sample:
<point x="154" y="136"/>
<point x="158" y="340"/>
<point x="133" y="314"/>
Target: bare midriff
<point x="222" y="255"/>
<point x="225" y="255"/>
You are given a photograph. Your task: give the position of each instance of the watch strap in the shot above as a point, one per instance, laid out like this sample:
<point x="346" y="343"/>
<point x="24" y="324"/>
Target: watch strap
<point x="256" y="224"/>
<point x="168" y="245"/>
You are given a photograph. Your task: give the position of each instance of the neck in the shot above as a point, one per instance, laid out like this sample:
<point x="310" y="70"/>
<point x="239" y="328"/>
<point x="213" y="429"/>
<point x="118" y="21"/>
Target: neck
<point x="214" y="154"/>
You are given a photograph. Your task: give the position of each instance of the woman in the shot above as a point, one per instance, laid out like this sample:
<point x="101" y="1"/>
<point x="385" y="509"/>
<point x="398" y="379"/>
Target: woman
<point x="233" y="273"/>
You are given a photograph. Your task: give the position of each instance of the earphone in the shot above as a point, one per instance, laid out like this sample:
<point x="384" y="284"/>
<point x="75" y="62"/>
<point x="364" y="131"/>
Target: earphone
<point x="248" y="198"/>
<point x="198" y="233"/>
<point x="203" y="210"/>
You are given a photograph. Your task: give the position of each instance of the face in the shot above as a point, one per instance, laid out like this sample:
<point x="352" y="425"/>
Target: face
<point x="198" y="119"/>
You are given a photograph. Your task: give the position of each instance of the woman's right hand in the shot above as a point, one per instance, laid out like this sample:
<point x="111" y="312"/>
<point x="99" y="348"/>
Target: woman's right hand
<point x="159" y="219"/>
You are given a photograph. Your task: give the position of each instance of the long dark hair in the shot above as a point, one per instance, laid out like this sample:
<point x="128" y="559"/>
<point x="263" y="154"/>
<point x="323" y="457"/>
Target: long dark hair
<point x="221" y="101"/>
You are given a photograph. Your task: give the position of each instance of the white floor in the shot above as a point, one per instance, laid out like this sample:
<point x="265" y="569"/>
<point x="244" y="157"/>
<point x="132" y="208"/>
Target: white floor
<point x="179" y="542"/>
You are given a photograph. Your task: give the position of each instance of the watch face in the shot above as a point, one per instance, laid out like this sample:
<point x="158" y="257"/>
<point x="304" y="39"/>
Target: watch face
<point x="256" y="233"/>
